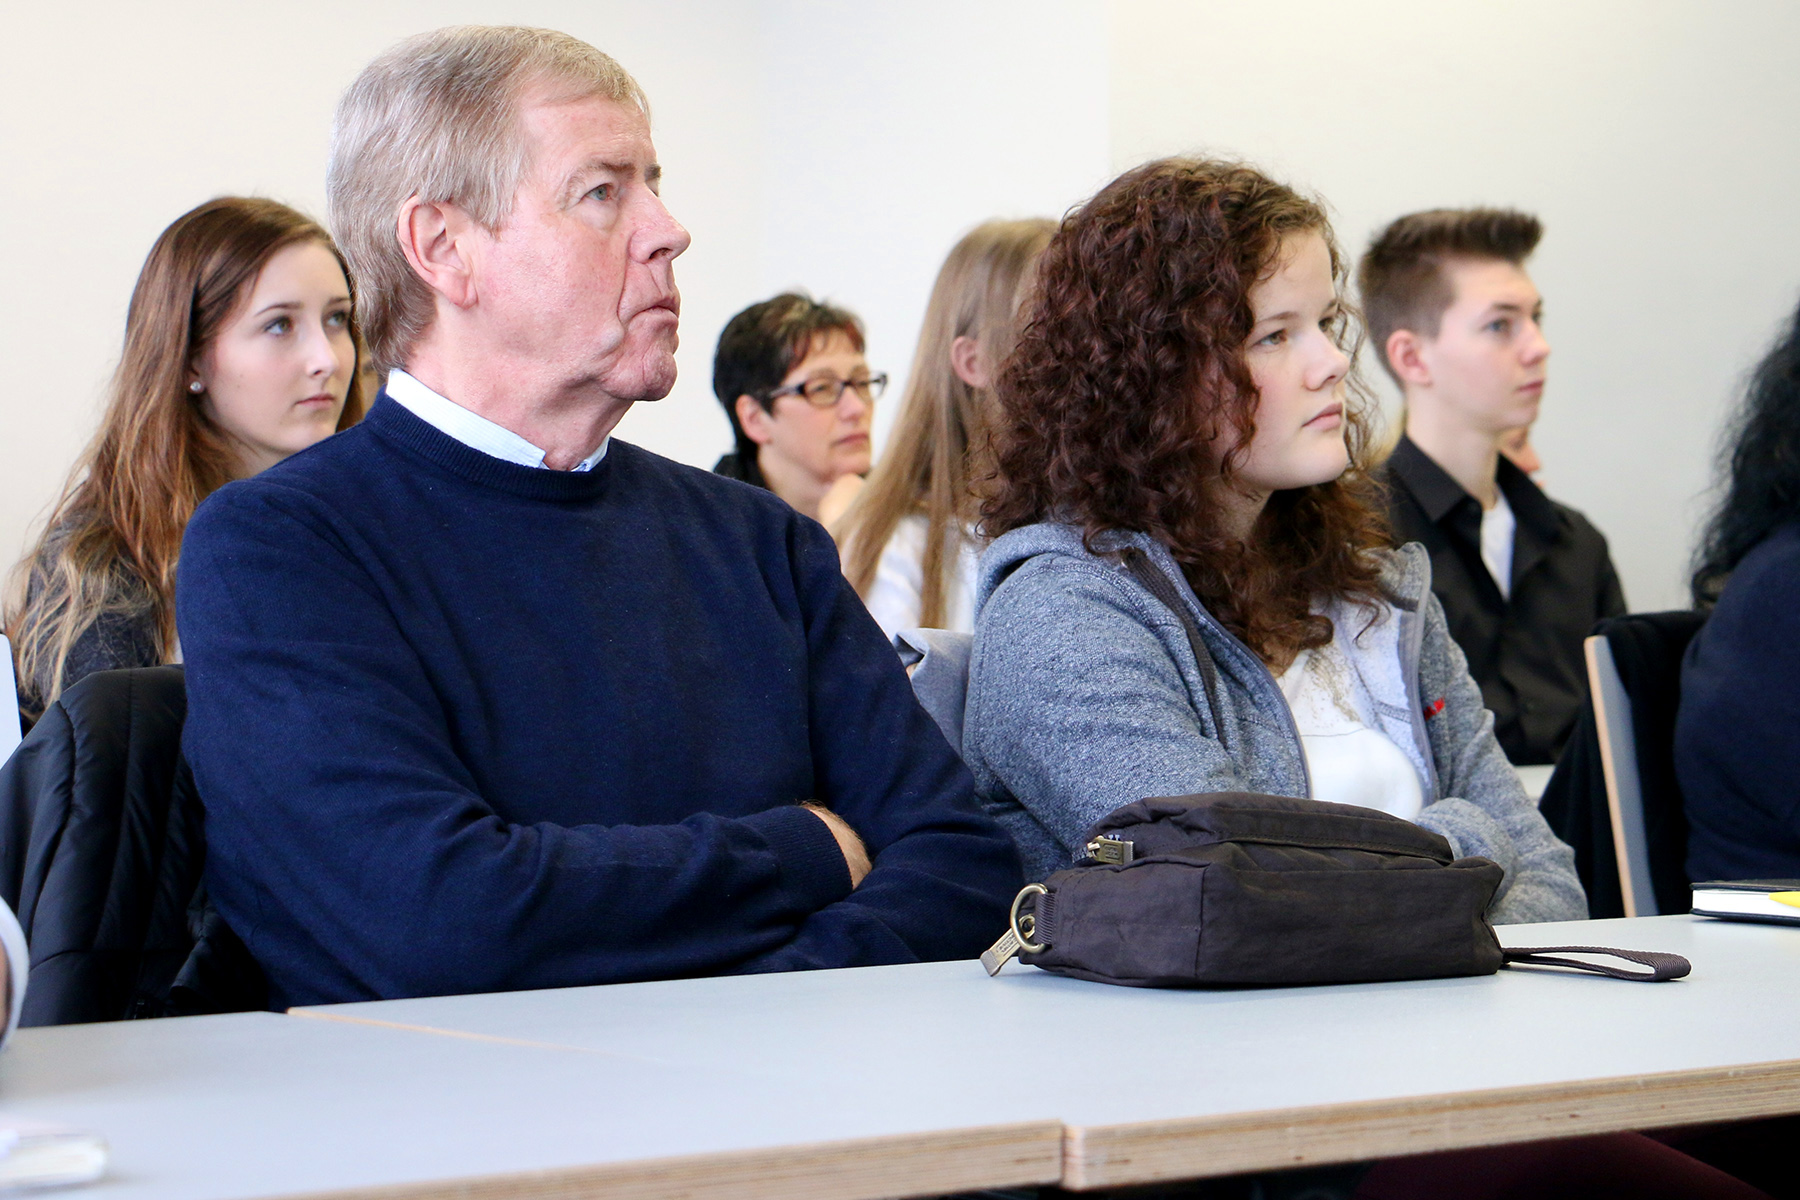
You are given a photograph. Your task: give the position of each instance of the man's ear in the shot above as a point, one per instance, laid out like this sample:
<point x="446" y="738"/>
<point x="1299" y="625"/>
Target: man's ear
<point x="1404" y="357"/>
<point x="437" y="240"/>
<point x="969" y="364"/>
<point x="755" y="419"/>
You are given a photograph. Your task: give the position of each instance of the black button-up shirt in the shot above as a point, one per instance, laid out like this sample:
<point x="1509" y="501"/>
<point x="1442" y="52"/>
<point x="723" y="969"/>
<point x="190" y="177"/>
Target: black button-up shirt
<point x="1524" y="650"/>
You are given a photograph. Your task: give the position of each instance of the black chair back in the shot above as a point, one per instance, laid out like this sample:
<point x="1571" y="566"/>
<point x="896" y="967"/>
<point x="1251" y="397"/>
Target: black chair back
<point x="102" y="849"/>
<point x="1648" y="649"/>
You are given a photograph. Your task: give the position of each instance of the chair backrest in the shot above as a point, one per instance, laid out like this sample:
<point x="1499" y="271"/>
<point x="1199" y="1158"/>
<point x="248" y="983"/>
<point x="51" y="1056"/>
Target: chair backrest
<point x="102" y="849"/>
<point x="10" y="722"/>
<point x="939" y="663"/>
<point x="1624" y="789"/>
<point x="1635" y="676"/>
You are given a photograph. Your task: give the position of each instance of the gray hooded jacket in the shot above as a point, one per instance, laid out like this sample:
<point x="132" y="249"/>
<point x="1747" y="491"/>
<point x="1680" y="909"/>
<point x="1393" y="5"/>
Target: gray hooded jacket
<point x="1084" y="695"/>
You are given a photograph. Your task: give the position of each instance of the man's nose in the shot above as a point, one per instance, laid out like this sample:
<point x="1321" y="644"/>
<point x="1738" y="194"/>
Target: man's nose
<point x="661" y="235"/>
<point x="1537" y="346"/>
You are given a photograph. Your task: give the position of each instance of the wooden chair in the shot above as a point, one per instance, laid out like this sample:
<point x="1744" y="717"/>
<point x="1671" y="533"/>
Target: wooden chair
<point x="1624" y="788"/>
<point x="1634" y="679"/>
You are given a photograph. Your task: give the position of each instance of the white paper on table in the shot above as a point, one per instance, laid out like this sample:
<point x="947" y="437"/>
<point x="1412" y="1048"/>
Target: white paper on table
<point x="34" y="1154"/>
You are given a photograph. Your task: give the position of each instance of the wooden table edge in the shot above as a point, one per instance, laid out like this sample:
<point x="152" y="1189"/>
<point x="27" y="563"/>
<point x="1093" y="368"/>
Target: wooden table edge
<point x="1199" y="1147"/>
<point x="913" y="1164"/>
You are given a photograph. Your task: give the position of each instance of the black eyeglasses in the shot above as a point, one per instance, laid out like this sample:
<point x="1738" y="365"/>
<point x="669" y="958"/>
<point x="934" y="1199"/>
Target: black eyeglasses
<point x="825" y="393"/>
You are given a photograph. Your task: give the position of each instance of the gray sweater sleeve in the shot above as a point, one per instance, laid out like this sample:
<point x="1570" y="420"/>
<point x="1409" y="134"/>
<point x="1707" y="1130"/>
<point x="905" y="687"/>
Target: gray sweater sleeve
<point x="1077" y="705"/>
<point x="1485" y="810"/>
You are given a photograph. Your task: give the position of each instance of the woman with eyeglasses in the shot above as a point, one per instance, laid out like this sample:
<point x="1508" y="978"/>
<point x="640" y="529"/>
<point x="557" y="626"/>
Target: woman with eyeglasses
<point x="792" y="378"/>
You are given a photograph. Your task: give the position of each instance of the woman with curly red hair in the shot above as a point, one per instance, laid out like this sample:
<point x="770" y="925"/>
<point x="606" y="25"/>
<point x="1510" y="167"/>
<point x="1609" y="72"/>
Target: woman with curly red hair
<point x="1181" y="427"/>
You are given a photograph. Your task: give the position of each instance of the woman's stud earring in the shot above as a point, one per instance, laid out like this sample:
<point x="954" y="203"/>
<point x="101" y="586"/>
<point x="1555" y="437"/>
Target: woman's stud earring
<point x="196" y="387"/>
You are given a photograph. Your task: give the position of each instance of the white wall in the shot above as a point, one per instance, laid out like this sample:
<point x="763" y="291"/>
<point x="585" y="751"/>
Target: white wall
<point x="943" y="114"/>
<point x="120" y="117"/>
<point x="836" y="147"/>
<point x="842" y="147"/>
<point x="1654" y="138"/>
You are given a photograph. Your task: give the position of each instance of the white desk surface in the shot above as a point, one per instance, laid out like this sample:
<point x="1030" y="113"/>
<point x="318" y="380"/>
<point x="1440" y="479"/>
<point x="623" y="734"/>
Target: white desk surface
<point x="907" y="1080"/>
<point x="1157" y="1084"/>
<point x="259" y="1104"/>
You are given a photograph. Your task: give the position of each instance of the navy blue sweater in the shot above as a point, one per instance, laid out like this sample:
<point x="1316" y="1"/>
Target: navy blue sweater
<point x="1737" y="737"/>
<point x="465" y="726"/>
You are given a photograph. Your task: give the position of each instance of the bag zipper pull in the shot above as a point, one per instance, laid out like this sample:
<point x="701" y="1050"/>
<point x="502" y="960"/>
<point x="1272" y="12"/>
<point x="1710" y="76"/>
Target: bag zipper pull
<point x="1111" y="851"/>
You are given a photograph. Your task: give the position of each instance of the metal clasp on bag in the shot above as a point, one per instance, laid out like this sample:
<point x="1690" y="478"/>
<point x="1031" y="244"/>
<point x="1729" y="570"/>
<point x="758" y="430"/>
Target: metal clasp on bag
<point x="1019" y="931"/>
<point x="1112" y="851"/>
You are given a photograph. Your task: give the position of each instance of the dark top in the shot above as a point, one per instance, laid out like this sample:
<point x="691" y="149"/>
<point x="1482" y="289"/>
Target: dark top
<point x="114" y="642"/>
<point x="1737" y="738"/>
<point x="462" y="725"/>
<point x="123" y="635"/>
<point x="740" y="467"/>
<point x="1524" y="651"/>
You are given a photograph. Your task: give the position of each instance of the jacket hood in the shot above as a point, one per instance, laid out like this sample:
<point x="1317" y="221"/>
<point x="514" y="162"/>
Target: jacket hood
<point x="1405" y="572"/>
<point x="1012" y="549"/>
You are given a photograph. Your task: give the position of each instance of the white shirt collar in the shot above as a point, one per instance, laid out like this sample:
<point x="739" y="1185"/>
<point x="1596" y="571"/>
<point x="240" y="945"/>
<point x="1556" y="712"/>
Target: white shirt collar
<point x="472" y="430"/>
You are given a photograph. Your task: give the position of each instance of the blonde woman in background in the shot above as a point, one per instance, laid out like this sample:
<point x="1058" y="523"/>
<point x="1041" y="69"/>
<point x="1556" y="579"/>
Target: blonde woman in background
<point x="908" y="538"/>
<point x="240" y="349"/>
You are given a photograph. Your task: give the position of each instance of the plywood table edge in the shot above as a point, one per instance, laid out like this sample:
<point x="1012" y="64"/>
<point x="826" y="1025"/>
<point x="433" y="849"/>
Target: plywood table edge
<point x="913" y="1164"/>
<point x="1275" y="1139"/>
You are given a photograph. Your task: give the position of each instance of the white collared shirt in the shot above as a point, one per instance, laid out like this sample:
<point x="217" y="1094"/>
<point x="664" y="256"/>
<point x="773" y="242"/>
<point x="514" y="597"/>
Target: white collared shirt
<point x="1498" y="527"/>
<point x="474" y="431"/>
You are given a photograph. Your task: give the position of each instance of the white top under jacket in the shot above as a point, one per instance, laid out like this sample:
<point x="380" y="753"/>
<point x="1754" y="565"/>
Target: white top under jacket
<point x="898" y="591"/>
<point x="1350" y="759"/>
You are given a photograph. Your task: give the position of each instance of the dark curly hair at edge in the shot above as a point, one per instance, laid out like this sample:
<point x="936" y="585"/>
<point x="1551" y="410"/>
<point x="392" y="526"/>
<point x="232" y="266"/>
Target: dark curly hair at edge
<point x="1130" y="370"/>
<point x="1762" y="469"/>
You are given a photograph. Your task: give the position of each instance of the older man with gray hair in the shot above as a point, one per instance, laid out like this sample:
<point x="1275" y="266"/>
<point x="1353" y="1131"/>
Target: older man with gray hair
<point x="482" y="698"/>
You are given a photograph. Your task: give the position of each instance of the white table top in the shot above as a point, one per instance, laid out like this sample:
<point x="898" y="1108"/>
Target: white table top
<point x="1030" y="1046"/>
<point x="259" y="1104"/>
<point x="911" y="1079"/>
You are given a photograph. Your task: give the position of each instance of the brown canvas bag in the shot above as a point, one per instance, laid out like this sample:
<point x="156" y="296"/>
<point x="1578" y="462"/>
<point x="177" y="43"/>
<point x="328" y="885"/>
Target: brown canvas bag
<point x="1238" y="888"/>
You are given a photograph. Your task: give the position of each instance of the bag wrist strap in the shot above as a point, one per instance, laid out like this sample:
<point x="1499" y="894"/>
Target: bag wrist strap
<point x="1662" y="966"/>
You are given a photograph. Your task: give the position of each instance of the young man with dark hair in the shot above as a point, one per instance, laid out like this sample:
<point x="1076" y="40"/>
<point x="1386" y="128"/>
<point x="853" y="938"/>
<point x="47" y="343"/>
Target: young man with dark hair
<point x="791" y="376"/>
<point x="1457" y="324"/>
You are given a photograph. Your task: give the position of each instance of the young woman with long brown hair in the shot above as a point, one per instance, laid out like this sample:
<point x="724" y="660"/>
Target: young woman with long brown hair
<point x="909" y="536"/>
<point x="1181" y="399"/>
<point x="240" y="349"/>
